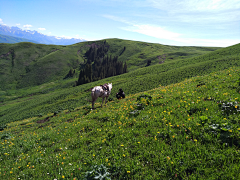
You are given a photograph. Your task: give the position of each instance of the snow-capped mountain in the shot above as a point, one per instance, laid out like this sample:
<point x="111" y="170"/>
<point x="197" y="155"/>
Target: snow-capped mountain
<point x="37" y="36"/>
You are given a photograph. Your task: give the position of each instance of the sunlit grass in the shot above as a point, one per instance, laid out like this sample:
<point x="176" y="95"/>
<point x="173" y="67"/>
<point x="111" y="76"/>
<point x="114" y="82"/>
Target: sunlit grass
<point x="187" y="130"/>
<point x="61" y="95"/>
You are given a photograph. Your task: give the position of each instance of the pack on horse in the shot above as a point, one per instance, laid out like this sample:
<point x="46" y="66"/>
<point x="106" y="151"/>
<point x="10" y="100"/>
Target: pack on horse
<point x="102" y="91"/>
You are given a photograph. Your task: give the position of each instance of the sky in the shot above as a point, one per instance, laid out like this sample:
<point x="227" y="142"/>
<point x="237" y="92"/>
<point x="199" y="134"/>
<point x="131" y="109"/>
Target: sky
<point x="169" y="22"/>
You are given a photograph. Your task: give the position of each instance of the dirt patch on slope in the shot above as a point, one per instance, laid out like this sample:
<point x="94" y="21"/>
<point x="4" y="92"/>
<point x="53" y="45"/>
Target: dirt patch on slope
<point x="43" y="120"/>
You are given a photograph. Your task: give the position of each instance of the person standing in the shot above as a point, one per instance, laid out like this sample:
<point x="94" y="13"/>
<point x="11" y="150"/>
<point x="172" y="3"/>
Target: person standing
<point x="120" y="94"/>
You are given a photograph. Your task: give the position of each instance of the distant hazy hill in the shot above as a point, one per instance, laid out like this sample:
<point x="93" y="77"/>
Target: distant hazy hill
<point x="28" y="64"/>
<point x="11" y="39"/>
<point x="36" y="36"/>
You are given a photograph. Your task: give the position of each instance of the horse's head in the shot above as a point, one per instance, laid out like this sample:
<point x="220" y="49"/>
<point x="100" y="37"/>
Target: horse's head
<point x="110" y="86"/>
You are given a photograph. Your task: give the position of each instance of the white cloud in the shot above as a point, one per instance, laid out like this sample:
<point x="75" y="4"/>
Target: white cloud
<point x="78" y="37"/>
<point x="207" y="42"/>
<point x="65" y="37"/>
<point x="18" y="24"/>
<point x="146" y="29"/>
<point x="177" y="38"/>
<point x="115" y="18"/>
<point x="199" y="10"/>
<point x="42" y="29"/>
<point x="176" y="6"/>
<point x="1" y="21"/>
<point x="187" y="22"/>
<point x="150" y="30"/>
<point x="154" y="31"/>
<point x="27" y="26"/>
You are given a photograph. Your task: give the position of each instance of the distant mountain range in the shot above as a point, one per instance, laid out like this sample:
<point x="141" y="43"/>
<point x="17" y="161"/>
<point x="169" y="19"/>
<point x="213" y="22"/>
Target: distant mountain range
<point x="35" y="36"/>
<point x="12" y="39"/>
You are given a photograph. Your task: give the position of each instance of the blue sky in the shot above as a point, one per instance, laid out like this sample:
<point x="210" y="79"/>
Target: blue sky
<point x="170" y="22"/>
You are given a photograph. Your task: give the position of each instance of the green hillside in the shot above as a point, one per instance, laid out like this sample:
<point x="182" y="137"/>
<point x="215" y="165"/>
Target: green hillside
<point x="61" y="95"/>
<point x="28" y="64"/>
<point x="11" y="39"/>
<point x="138" y="53"/>
<point x="188" y="130"/>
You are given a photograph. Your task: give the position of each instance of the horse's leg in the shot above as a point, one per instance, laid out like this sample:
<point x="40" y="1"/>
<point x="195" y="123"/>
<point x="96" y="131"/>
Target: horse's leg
<point x="93" y="104"/>
<point x="93" y="101"/>
<point x="102" y="101"/>
<point x="106" y="100"/>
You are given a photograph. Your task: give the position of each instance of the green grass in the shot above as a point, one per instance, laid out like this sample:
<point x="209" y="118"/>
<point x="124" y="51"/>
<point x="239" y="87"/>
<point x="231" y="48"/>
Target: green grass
<point x="162" y="130"/>
<point x="138" y="53"/>
<point x="61" y="95"/>
<point x="34" y="64"/>
<point x="188" y="130"/>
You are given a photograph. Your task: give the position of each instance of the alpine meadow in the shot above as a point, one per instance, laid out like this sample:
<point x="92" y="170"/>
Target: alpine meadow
<point x="179" y="119"/>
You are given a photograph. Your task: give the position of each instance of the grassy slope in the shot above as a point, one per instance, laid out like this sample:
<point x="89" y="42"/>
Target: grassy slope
<point x="11" y="39"/>
<point x="58" y="96"/>
<point x="180" y="131"/>
<point x="35" y="64"/>
<point x="138" y="53"/>
<point x="45" y="62"/>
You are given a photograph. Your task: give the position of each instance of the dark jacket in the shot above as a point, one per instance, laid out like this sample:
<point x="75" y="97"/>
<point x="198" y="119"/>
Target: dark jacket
<point x="120" y="94"/>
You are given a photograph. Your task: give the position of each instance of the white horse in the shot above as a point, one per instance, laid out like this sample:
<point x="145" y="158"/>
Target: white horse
<point x="98" y="91"/>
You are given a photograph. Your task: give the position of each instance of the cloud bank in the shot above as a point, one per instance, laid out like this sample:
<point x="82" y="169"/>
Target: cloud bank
<point x="186" y="22"/>
<point x="42" y="29"/>
<point x="27" y="26"/>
